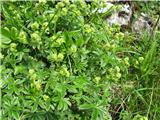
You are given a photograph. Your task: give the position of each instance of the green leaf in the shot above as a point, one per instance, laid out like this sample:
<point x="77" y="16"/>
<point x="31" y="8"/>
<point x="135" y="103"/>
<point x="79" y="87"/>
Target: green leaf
<point x="14" y="33"/>
<point x="15" y="115"/>
<point x="60" y="105"/>
<point x="87" y="106"/>
<point x="4" y="39"/>
<point x="95" y="114"/>
<point x="34" y="107"/>
<point x="5" y="32"/>
<point x="68" y="39"/>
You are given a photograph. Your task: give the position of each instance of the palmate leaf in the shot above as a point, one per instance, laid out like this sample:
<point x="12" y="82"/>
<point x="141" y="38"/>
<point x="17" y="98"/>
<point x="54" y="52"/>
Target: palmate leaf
<point x="4" y="39"/>
<point x="5" y="36"/>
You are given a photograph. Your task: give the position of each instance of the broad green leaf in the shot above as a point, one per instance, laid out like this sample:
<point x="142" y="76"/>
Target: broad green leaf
<point x="4" y="39"/>
<point x="5" y="32"/>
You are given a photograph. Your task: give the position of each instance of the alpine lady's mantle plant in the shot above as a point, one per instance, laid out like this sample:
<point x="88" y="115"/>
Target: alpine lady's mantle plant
<point x="58" y="60"/>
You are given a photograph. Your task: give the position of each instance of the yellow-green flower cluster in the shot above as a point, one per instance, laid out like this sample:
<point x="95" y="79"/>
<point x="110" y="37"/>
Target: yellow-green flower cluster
<point x="23" y="37"/>
<point x="56" y="57"/>
<point x="32" y="74"/>
<point x="126" y="61"/>
<point x="114" y="73"/>
<point x="57" y="42"/>
<point x="88" y="28"/>
<point x="97" y="79"/>
<point x="45" y="97"/>
<point x="73" y="49"/>
<point x="13" y="47"/>
<point x="35" y="37"/>
<point x="119" y="36"/>
<point x="35" y="26"/>
<point x="64" y="72"/>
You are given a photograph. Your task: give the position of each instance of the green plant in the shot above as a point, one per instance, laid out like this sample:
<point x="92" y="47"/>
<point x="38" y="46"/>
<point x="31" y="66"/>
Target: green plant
<point x="61" y="60"/>
<point x="54" y="63"/>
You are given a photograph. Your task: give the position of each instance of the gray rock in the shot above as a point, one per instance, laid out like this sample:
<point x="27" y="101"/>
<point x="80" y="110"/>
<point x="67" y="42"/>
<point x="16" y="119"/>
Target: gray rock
<point x="143" y="23"/>
<point x="121" y="17"/>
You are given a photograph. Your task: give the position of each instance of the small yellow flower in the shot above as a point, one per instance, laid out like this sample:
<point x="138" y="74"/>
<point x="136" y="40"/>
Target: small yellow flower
<point x="31" y="71"/>
<point x="38" y="85"/>
<point x="23" y="37"/>
<point x="140" y="59"/>
<point x="45" y="97"/>
<point x="126" y="61"/>
<point x="64" y="72"/>
<point x="73" y="48"/>
<point x="60" y="57"/>
<point x="73" y="6"/>
<point x="44" y="25"/>
<point x="60" y="41"/>
<point x="53" y="57"/>
<point x="35" y="37"/>
<point x="117" y="69"/>
<point x="88" y="28"/>
<point x="118" y="75"/>
<point x="97" y="79"/>
<point x="35" y="26"/>
<point x="42" y="1"/>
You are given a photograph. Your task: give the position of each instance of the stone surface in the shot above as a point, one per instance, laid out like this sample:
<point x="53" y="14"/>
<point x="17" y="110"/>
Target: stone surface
<point x="143" y="23"/>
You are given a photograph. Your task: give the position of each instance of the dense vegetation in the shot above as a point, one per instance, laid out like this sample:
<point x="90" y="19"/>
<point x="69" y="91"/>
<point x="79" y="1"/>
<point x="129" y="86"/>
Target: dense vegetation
<point x="62" y="61"/>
